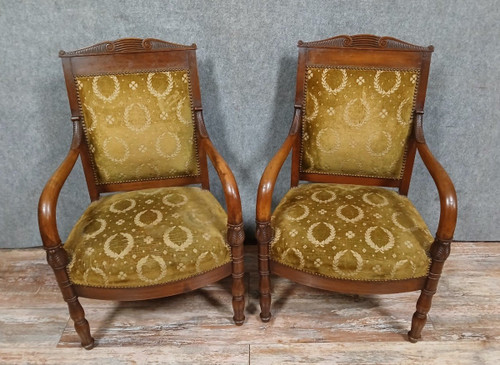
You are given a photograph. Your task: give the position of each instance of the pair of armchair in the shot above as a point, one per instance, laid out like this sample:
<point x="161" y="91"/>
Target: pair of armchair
<point x="138" y="128"/>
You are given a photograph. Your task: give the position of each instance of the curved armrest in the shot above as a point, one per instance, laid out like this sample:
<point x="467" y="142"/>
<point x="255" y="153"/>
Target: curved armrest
<point x="47" y="221"/>
<point x="446" y="190"/>
<point x="268" y="179"/>
<point x="231" y="193"/>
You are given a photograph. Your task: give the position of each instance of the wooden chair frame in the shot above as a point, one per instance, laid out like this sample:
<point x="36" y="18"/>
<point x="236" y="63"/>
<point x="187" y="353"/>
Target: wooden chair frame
<point x="372" y="51"/>
<point x="133" y="54"/>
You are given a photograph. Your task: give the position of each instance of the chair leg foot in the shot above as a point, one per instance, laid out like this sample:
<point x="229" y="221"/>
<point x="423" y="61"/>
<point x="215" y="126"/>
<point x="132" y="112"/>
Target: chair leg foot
<point x="413" y="339"/>
<point x="265" y="305"/>
<point x="239" y="310"/>
<point x="418" y="320"/>
<point x="82" y="326"/>
<point x="239" y="321"/>
<point x="89" y="346"/>
<point x="265" y="317"/>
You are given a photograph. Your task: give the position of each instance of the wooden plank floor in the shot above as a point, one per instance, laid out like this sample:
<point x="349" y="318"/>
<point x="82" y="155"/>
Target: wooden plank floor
<point x="309" y="325"/>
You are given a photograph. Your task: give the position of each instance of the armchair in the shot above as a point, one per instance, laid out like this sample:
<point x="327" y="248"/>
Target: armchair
<point x="139" y="131"/>
<point x="356" y="128"/>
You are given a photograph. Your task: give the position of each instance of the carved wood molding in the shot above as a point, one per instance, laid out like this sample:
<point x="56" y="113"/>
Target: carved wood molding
<point x="126" y="45"/>
<point x="235" y="234"/>
<point x="364" y="41"/>
<point x="264" y="232"/>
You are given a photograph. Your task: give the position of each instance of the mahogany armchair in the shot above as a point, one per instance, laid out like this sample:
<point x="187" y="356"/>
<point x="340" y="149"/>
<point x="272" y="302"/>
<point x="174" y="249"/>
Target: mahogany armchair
<point x="139" y="131"/>
<point x="357" y="125"/>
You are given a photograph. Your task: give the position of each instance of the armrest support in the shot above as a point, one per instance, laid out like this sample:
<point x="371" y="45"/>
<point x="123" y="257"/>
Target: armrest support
<point x="229" y="186"/>
<point x="47" y="204"/>
<point x="268" y="179"/>
<point x="446" y="190"/>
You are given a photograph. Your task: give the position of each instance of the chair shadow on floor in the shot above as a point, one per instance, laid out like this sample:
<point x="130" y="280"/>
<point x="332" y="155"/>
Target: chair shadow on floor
<point x="284" y="289"/>
<point x="138" y="317"/>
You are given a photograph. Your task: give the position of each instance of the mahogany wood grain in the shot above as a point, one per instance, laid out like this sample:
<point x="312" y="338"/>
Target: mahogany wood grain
<point x="363" y="50"/>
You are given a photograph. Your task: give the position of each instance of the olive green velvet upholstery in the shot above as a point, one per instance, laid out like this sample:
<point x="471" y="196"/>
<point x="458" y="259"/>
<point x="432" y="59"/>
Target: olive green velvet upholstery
<point x="357" y="121"/>
<point x="350" y="232"/>
<point x="148" y="237"/>
<point x="138" y="126"/>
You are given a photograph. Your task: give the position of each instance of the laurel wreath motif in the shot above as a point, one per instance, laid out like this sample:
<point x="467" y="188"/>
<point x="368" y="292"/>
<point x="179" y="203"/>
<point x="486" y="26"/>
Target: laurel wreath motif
<point x="97" y="92"/>
<point x="184" y="245"/>
<point x="142" y="262"/>
<point x="320" y="145"/>
<point x="327" y="87"/>
<point x="138" y="222"/>
<point x="371" y="140"/>
<point x="108" y="155"/>
<point x="398" y="114"/>
<point x="302" y="216"/>
<point x="124" y="252"/>
<point x="202" y="256"/>
<point x="360" y="215"/>
<point x="369" y="241"/>
<point x="339" y="255"/>
<point x="129" y="125"/>
<point x="180" y="104"/>
<point x="379" y="89"/>
<point x="177" y="145"/>
<point x="297" y="253"/>
<point x="152" y="90"/>
<point x="324" y="242"/>
<point x="315" y="109"/>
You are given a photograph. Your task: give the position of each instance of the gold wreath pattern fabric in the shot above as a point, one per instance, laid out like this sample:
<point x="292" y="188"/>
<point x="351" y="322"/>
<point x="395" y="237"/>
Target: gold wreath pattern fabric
<point x="138" y="126"/>
<point x="357" y="121"/>
<point x="350" y="232"/>
<point x="148" y="237"/>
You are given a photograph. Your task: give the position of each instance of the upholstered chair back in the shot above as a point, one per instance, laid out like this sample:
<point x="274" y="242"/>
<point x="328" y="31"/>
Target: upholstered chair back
<point x="357" y="120"/>
<point x="357" y="114"/>
<point x="139" y="125"/>
<point x="135" y="103"/>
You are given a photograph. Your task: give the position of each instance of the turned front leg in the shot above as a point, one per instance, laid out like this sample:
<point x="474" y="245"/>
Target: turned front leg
<point x="236" y="237"/>
<point x="58" y="260"/>
<point x="440" y="250"/>
<point x="264" y="235"/>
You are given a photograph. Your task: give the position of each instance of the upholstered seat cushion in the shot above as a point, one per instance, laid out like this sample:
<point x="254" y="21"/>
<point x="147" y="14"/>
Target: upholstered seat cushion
<point x="148" y="237"/>
<point x="350" y="232"/>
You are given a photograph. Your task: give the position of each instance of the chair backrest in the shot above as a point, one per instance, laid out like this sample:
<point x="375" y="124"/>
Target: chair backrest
<point x="135" y="101"/>
<point x="359" y="96"/>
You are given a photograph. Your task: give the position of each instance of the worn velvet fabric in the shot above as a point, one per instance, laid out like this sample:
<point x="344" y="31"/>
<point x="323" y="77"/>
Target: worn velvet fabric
<point x="357" y="121"/>
<point x="148" y="237"/>
<point x="350" y="232"/>
<point x="138" y="126"/>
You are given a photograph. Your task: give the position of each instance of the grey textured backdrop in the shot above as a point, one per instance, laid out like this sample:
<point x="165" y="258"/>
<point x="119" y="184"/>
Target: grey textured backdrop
<point x="247" y="62"/>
